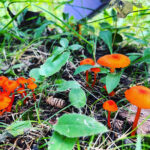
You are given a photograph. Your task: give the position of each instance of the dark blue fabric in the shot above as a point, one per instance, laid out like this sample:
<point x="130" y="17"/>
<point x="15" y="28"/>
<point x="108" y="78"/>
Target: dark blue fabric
<point x="83" y="8"/>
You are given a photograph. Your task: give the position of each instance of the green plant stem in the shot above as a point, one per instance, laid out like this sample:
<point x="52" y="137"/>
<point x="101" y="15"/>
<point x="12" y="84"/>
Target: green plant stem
<point x="78" y="144"/>
<point x="114" y="34"/>
<point x="67" y="25"/>
<point x="90" y="143"/>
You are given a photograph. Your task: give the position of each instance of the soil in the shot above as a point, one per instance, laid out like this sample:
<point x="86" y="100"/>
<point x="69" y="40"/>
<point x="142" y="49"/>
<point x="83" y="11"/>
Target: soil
<point x="34" y="139"/>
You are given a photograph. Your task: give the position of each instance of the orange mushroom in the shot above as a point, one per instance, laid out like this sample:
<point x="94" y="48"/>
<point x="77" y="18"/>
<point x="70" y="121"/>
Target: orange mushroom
<point x="4" y="103"/>
<point x="96" y="71"/>
<point x="139" y="96"/>
<point x="2" y="80"/>
<point x="22" y="81"/>
<point x="30" y="80"/>
<point x="10" y="86"/>
<point x="79" y="28"/>
<point x="22" y="92"/>
<point x="32" y="86"/>
<point x="111" y="93"/>
<point x="110" y="106"/>
<point x="87" y="61"/>
<point x="114" y="61"/>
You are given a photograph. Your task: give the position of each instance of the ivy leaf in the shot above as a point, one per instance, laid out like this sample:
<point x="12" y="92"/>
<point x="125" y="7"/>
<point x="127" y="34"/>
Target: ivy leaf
<point x="77" y="125"/>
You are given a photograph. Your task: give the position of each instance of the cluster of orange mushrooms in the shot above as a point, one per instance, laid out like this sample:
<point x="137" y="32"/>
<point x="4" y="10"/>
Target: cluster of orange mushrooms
<point x="8" y="89"/>
<point x="136" y="95"/>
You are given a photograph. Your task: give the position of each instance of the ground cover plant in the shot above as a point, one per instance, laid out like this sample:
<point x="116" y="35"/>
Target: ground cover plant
<point x="68" y="87"/>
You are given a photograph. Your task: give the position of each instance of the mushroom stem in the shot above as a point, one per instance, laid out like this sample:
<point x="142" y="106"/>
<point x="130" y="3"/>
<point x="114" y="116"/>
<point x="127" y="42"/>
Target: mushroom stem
<point x="110" y="94"/>
<point x="95" y="74"/>
<point x="136" y="121"/>
<point x="79" y="28"/>
<point x="112" y="70"/>
<point x="87" y="78"/>
<point x="1" y="112"/>
<point x="108" y="121"/>
<point x="10" y="105"/>
<point x="23" y="86"/>
<point x="34" y="97"/>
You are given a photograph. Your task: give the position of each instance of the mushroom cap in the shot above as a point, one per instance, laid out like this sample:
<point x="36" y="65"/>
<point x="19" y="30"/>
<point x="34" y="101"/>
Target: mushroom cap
<point x="10" y="85"/>
<point x="20" y="90"/>
<point x="2" y="80"/>
<point x="30" y="80"/>
<point x="4" y="101"/>
<point x="139" y="96"/>
<point x="114" y="61"/>
<point x="87" y="61"/>
<point x="110" y="105"/>
<point x="32" y="86"/>
<point x="95" y="70"/>
<point x="22" y="80"/>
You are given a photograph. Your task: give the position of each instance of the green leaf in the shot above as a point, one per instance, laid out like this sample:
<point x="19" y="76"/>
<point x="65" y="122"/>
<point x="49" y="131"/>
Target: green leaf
<point x="118" y="37"/>
<point x="18" y="128"/>
<point x="40" y="30"/>
<point x="106" y="36"/>
<point x="133" y="58"/>
<point x="75" y="47"/>
<point x="114" y="15"/>
<point x="136" y="39"/>
<point x="51" y="67"/>
<point x="57" y="51"/>
<point x="104" y="70"/>
<point x="17" y="66"/>
<point x="60" y="142"/>
<point x="77" y="125"/>
<point x="77" y="97"/>
<point x="105" y="25"/>
<point x="147" y="55"/>
<point x="35" y="73"/>
<point x="82" y="68"/>
<point x="66" y="85"/>
<point x="64" y="42"/>
<point x="112" y="80"/>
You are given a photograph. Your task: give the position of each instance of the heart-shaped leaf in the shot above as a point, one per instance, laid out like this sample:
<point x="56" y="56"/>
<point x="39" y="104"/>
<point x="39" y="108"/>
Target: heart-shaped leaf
<point x="82" y="68"/>
<point x="35" y="73"/>
<point x="60" y="142"/>
<point x="112" y="80"/>
<point x="147" y="55"/>
<point x="77" y="97"/>
<point x="106" y="36"/>
<point x="76" y="125"/>
<point x="50" y="67"/>
<point x="64" y="42"/>
<point x="66" y="85"/>
<point x="75" y="47"/>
